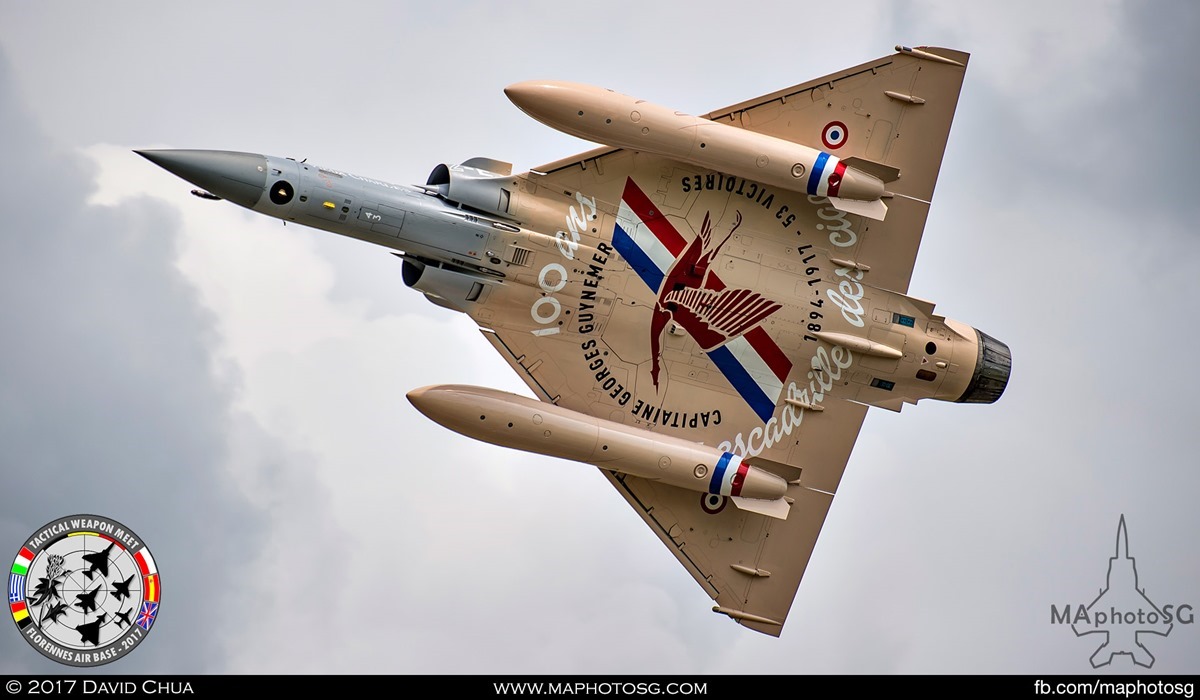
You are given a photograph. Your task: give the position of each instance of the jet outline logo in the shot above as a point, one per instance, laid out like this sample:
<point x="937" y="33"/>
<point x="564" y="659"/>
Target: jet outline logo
<point x="1122" y="612"/>
<point x="727" y="323"/>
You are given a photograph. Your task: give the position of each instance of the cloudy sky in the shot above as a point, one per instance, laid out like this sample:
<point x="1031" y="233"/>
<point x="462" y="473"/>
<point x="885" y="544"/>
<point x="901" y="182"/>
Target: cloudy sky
<point x="233" y="390"/>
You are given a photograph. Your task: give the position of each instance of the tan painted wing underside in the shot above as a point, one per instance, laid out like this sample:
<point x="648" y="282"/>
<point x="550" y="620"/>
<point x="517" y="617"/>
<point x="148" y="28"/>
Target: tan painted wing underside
<point x="709" y="545"/>
<point x="746" y="562"/>
<point x="907" y="136"/>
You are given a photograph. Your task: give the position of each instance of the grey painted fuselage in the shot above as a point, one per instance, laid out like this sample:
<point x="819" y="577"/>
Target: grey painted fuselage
<point x="412" y="220"/>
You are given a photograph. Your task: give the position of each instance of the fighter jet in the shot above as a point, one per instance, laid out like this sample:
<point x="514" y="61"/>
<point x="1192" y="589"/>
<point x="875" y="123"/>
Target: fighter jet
<point x="121" y="588"/>
<point x="98" y="561"/>
<point x="86" y="601"/>
<point x="122" y="618"/>
<point x="704" y="306"/>
<point x="90" y="632"/>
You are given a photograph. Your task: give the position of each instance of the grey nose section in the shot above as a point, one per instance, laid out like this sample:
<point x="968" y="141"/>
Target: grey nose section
<point x="239" y="177"/>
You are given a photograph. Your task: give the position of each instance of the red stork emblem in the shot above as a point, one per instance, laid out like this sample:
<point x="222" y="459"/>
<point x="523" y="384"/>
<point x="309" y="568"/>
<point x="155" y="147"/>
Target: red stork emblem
<point x="695" y="298"/>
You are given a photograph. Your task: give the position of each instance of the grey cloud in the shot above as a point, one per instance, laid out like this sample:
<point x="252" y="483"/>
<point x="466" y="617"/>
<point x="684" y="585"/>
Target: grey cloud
<point x="108" y="401"/>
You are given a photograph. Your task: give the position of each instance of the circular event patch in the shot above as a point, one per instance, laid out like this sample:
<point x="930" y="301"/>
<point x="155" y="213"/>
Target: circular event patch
<point x="84" y="590"/>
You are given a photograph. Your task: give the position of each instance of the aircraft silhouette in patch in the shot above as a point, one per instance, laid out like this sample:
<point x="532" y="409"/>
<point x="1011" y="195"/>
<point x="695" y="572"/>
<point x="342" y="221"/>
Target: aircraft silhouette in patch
<point x="122" y="617"/>
<point x="91" y="631"/>
<point x="120" y="589"/>
<point x="98" y="561"/>
<point x="87" y="600"/>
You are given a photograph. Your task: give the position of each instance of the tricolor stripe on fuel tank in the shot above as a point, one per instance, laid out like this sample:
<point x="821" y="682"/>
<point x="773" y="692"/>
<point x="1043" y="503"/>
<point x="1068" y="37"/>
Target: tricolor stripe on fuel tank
<point x="826" y="177"/>
<point x="728" y="475"/>
<point x="753" y="363"/>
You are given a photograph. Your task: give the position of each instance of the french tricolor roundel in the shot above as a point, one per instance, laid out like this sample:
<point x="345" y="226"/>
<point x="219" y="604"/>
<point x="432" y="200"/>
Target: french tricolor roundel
<point x="834" y="135"/>
<point x="712" y="503"/>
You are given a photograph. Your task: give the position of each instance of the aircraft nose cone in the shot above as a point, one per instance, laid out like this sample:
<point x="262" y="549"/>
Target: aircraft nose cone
<point x="417" y="397"/>
<point x="239" y="177"/>
<point x="517" y="92"/>
<point x="537" y="96"/>
<point x="450" y="405"/>
<point x="523" y="95"/>
<point x="428" y="400"/>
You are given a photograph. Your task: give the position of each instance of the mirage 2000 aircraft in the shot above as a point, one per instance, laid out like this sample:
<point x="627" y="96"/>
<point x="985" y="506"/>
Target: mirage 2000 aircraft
<point x="704" y="307"/>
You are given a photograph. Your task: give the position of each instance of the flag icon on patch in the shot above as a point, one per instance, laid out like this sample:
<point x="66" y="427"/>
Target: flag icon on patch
<point x="145" y="562"/>
<point x="21" y="563"/>
<point x="150" y="588"/>
<point x="146" y="616"/>
<point x="725" y="322"/>
<point x="20" y="614"/>
<point x="16" y="588"/>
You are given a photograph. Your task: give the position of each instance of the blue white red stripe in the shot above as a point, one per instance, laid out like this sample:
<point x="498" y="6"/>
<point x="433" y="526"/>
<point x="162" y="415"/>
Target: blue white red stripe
<point x="753" y="363"/>
<point x="825" y="179"/>
<point x="644" y="237"/>
<point x="758" y="383"/>
<point x="728" y="475"/>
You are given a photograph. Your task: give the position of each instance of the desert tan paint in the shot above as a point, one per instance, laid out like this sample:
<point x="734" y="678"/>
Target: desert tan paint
<point x="705" y="306"/>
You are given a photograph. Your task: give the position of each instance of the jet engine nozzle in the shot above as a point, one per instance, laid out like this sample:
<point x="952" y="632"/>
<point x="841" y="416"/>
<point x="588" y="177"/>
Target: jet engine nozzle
<point x="991" y="371"/>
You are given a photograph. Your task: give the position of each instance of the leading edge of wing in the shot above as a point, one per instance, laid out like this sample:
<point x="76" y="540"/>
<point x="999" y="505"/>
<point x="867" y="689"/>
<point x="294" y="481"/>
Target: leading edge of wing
<point x="952" y="55"/>
<point x="727" y="113"/>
